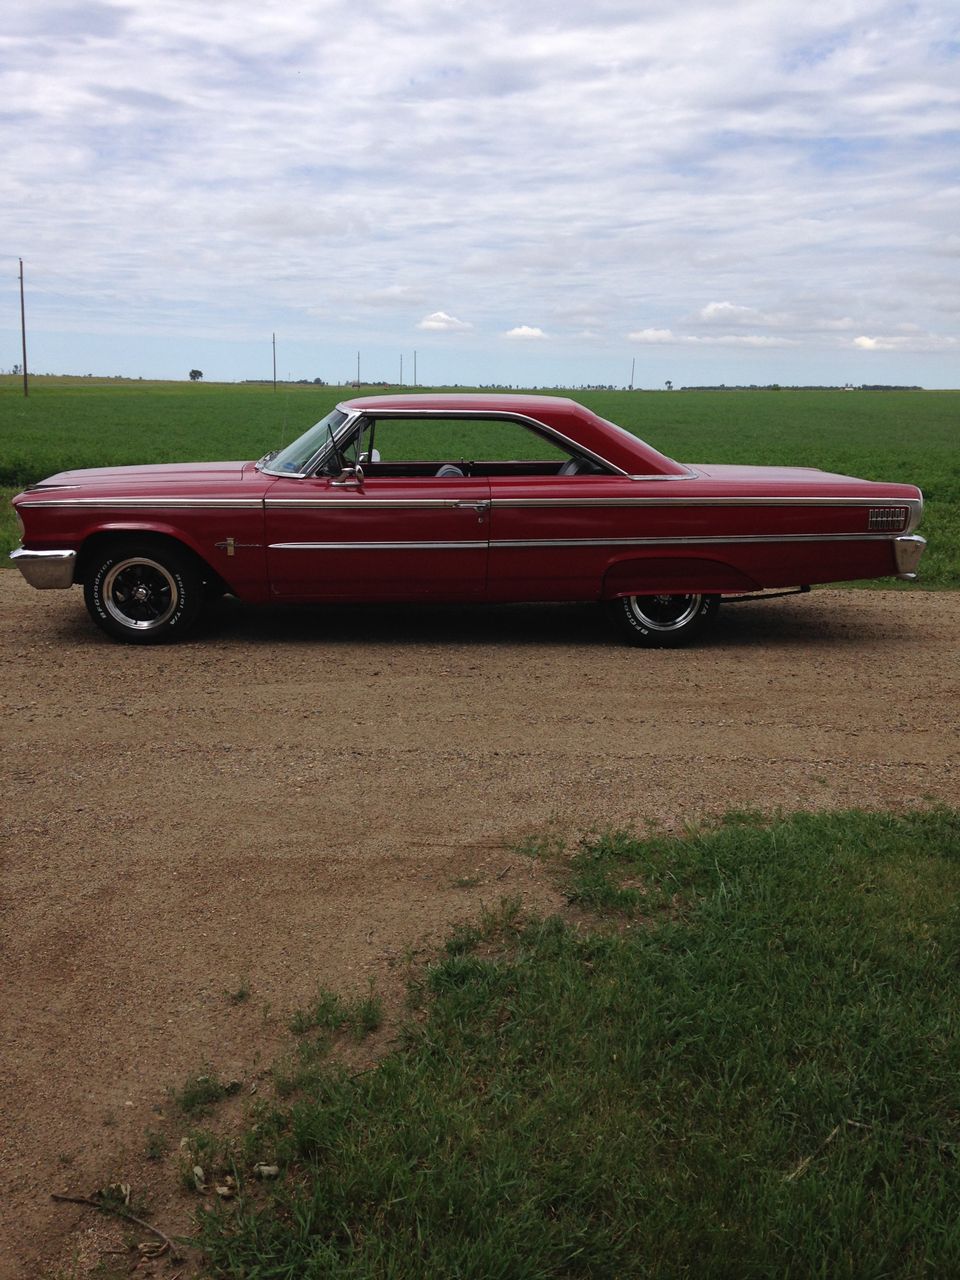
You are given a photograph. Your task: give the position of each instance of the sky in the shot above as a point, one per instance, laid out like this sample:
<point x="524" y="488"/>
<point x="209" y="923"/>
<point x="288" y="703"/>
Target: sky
<point x="534" y="194"/>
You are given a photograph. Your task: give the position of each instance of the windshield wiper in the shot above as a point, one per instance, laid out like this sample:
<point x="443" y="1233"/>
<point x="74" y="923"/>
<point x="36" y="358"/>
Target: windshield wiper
<point x="267" y="457"/>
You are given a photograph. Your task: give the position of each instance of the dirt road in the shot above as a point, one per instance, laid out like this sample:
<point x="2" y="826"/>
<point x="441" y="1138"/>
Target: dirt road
<point x="297" y="798"/>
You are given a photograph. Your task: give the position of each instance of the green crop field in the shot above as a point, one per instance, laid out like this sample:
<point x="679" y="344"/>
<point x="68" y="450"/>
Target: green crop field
<point x="906" y="436"/>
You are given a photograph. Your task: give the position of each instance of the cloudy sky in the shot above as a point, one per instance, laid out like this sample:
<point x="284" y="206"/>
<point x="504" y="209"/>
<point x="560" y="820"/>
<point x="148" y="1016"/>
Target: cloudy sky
<point x="538" y="193"/>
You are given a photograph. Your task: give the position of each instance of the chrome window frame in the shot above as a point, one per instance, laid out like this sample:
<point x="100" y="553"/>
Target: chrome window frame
<point x="535" y="424"/>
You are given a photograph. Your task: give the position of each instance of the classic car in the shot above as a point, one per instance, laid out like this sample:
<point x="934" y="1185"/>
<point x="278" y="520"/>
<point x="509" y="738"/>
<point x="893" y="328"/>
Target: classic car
<point x="458" y="498"/>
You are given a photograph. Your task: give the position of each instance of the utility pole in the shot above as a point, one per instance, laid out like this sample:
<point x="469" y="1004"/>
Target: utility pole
<point x="358" y="370"/>
<point x="414" y="368"/>
<point x="23" y="334"/>
<point x="633" y="369"/>
<point x="274" y="362"/>
<point x="401" y="368"/>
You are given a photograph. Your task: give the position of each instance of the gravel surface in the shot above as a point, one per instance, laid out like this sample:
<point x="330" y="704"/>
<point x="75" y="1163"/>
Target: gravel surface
<point x="309" y="797"/>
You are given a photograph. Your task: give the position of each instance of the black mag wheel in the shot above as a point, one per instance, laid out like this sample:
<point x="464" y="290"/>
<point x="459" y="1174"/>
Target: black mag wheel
<point x="663" y="621"/>
<point x="143" y="593"/>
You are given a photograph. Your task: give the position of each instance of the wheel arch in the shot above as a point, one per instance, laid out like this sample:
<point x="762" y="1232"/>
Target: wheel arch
<point x="96" y="543"/>
<point x="674" y="575"/>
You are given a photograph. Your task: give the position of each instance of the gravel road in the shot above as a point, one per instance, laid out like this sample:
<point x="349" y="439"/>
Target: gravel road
<point x="305" y="797"/>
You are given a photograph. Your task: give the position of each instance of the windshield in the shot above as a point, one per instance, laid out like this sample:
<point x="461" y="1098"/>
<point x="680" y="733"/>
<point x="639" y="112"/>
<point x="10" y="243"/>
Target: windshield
<point x="304" y="452"/>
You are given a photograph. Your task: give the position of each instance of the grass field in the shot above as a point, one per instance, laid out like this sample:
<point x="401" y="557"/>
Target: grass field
<point x="908" y="436"/>
<point x="741" y="1062"/>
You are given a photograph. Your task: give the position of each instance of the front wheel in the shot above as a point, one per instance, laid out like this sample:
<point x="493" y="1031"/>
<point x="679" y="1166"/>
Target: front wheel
<point x="662" y="621"/>
<point x="143" y="593"/>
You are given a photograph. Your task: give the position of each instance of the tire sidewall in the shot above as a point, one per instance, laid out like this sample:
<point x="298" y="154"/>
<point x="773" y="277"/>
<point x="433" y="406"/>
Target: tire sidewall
<point x="186" y="580"/>
<point x="635" y="632"/>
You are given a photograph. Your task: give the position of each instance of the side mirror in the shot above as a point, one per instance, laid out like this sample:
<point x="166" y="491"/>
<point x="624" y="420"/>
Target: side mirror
<point x="350" y="478"/>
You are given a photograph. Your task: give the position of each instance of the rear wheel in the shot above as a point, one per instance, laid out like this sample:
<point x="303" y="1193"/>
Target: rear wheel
<point x="662" y="621"/>
<point x="143" y="593"/>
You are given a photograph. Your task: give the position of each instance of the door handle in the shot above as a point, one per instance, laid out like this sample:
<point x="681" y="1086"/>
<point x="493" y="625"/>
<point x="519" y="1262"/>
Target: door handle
<point x="481" y="508"/>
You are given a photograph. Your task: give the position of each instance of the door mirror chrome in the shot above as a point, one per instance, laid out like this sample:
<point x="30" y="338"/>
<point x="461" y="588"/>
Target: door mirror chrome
<point x="370" y="457"/>
<point x="350" y="478"/>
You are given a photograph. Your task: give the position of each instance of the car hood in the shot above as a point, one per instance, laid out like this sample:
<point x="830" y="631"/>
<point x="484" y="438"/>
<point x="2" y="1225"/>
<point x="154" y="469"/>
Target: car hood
<point x="162" y="474"/>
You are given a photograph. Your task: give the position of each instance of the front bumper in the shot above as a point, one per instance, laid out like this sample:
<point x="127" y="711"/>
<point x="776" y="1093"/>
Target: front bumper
<point x="46" y="569"/>
<point x="907" y="552"/>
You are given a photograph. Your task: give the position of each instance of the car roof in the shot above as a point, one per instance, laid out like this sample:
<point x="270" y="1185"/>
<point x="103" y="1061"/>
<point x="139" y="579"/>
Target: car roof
<point x="565" y="416"/>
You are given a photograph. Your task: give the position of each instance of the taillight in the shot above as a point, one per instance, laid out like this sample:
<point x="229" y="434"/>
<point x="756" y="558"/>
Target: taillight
<point x="887" y="519"/>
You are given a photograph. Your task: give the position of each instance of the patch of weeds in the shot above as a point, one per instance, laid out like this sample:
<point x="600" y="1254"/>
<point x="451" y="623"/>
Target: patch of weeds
<point x="332" y="1013"/>
<point x="300" y="1074"/>
<point x="367" y="1015"/>
<point x="200" y="1093"/>
<point x="501" y="921"/>
<point x="545" y="846"/>
<point x="327" y="1013"/>
<point x="465" y="882"/>
<point x="202" y="1156"/>
<point x="241" y="995"/>
<point x="156" y="1144"/>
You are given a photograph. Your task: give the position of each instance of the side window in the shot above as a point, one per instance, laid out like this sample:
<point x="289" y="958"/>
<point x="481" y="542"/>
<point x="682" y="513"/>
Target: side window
<point x="460" y="440"/>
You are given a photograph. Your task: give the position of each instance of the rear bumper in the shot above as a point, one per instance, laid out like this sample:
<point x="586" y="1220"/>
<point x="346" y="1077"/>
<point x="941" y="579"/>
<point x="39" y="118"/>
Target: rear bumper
<point x="907" y="551"/>
<point x="46" y="569"/>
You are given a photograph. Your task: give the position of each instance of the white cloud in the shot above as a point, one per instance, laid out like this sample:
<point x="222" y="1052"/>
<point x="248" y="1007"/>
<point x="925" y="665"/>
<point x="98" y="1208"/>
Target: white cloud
<point x="525" y="331"/>
<point x="908" y="342"/>
<point x="666" y="337"/>
<point x="440" y="322"/>
<point x="729" y="313"/>
<point x="654" y="336"/>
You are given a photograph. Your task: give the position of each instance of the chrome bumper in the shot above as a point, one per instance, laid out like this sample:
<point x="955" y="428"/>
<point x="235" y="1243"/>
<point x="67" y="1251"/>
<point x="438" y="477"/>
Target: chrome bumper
<point x="907" y="552"/>
<point x="46" y="569"/>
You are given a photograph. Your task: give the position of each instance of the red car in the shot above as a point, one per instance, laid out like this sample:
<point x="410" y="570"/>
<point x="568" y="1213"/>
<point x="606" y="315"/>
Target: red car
<point x="458" y="498"/>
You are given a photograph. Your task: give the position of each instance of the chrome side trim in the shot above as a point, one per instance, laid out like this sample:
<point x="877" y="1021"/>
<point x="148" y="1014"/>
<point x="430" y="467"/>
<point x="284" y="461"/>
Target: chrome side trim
<point x="361" y="502"/>
<point x="522" y="543"/>
<point x="46" y="570"/>
<point x="706" y="501"/>
<point x="698" y="540"/>
<point x="365" y="504"/>
<point x="379" y="546"/>
<point x="907" y="552"/>
<point x="140" y="503"/>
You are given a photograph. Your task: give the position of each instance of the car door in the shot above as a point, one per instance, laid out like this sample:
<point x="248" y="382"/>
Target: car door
<point x="384" y="538"/>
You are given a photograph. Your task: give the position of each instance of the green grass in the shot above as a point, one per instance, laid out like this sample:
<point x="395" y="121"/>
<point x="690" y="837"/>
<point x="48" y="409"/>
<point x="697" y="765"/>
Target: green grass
<point x="200" y="1093"/>
<point x="747" y="1065"/>
<point x="907" y="436"/>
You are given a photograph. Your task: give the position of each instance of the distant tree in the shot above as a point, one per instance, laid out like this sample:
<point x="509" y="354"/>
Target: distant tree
<point x="668" y="384"/>
<point x="196" y="375"/>
<point x="16" y="368"/>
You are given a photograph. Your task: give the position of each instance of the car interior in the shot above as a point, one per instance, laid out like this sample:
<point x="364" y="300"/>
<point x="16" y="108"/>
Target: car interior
<point x="449" y="448"/>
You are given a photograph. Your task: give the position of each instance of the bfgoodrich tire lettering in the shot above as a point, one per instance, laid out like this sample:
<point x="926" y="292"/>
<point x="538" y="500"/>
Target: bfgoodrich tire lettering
<point x="143" y="593"/>
<point x="663" y="621"/>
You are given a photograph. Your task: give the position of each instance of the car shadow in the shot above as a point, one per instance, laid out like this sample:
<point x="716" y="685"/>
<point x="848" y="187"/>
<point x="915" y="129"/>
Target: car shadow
<point x="398" y="624"/>
<point x="784" y="623"/>
<point x="800" y="623"/>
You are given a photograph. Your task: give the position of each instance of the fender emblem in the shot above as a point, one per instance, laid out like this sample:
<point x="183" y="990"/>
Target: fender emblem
<point x="230" y="546"/>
